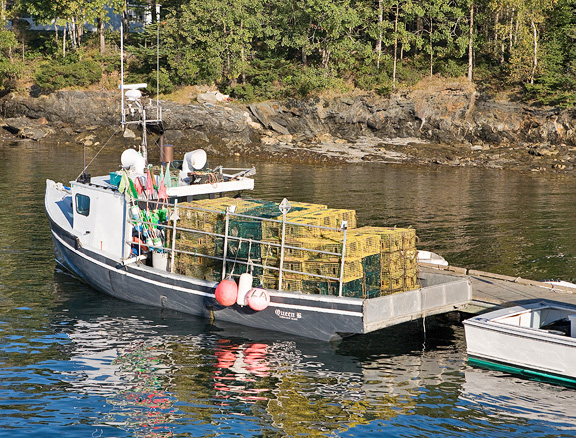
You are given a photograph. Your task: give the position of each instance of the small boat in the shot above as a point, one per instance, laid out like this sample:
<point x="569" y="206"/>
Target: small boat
<point x="537" y="340"/>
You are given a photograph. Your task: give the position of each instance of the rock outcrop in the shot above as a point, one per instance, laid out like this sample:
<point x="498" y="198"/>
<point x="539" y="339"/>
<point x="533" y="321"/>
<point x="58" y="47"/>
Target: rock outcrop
<point x="439" y="112"/>
<point x="438" y="121"/>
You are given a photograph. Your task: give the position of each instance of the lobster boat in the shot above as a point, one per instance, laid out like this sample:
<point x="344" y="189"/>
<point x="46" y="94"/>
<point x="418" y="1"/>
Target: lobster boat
<point x="182" y="236"/>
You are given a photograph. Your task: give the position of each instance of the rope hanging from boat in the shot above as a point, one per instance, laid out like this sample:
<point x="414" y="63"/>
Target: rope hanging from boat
<point x="266" y="257"/>
<point x="93" y="158"/>
<point x="250" y="263"/>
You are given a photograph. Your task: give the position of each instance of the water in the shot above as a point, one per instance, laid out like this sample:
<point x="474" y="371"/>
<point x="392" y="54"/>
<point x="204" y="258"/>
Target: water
<point x="75" y="363"/>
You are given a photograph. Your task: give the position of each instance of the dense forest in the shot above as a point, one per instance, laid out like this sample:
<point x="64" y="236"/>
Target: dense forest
<point x="263" y="49"/>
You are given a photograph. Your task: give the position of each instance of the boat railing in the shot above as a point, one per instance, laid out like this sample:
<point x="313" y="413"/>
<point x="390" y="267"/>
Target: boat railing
<point x="171" y="228"/>
<point x="144" y="110"/>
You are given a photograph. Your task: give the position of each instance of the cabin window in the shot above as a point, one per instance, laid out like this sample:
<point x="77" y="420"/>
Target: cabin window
<point x="82" y="205"/>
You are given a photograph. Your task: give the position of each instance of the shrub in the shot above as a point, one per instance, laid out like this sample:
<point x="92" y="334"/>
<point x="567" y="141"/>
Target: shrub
<point x="450" y="68"/>
<point x="370" y="77"/>
<point x="265" y="80"/>
<point x="10" y="72"/>
<point x="410" y="73"/>
<point x="53" y="77"/>
<point x="545" y="94"/>
<point x="166" y="86"/>
<point x="244" y="92"/>
<point x="309" y="81"/>
<point x="266" y="76"/>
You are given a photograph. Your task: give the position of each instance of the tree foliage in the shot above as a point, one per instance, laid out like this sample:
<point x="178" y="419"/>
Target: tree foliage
<point x="258" y="49"/>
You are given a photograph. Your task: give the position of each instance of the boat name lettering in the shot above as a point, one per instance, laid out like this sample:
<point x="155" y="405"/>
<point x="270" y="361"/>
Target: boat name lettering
<point x="288" y="315"/>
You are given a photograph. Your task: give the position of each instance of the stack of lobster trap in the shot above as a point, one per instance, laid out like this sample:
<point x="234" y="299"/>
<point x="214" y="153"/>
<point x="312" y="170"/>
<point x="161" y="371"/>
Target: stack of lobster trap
<point x="377" y="261"/>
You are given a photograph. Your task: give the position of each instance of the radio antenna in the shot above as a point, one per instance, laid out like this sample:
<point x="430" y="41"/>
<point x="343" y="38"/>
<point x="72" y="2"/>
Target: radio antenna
<point x="157" y="61"/>
<point x="122" y="70"/>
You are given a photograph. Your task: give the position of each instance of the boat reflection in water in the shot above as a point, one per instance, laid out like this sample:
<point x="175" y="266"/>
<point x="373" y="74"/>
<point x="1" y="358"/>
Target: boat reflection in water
<point x="237" y="368"/>
<point x="503" y="396"/>
<point x="160" y="373"/>
<point x="124" y="361"/>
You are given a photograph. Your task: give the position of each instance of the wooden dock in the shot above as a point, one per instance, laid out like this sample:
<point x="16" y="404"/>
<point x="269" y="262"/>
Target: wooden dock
<point x="494" y="290"/>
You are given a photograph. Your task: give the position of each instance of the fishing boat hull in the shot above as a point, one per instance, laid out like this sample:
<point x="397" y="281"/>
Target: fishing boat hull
<point x="322" y="317"/>
<point x="299" y="315"/>
<point x="519" y="340"/>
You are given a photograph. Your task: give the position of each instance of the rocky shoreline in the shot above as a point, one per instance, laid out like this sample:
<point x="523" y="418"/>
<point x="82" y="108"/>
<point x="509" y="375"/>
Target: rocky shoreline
<point x="436" y="123"/>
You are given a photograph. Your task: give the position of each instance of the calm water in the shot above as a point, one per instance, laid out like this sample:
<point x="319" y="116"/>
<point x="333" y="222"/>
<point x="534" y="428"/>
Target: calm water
<point x="79" y="364"/>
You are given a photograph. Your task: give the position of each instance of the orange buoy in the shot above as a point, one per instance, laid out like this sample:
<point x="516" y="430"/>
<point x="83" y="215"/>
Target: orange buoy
<point x="226" y="292"/>
<point x="258" y="299"/>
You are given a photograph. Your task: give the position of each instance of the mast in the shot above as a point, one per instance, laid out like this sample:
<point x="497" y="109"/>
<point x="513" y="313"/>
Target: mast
<point x="132" y="95"/>
<point x="157" y="60"/>
<point x="122" y="71"/>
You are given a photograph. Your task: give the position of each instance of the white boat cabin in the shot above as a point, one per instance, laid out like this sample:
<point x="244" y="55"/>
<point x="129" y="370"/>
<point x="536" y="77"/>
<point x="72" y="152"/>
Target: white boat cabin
<point x="99" y="217"/>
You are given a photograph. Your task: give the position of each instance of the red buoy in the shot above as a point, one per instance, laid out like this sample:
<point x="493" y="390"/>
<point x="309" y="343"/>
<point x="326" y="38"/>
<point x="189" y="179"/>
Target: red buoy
<point x="258" y="299"/>
<point x="226" y="292"/>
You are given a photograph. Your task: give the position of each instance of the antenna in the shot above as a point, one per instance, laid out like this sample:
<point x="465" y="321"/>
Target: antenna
<point x="132" y="95"/>
<point x="122" y="70"/>
<point x="157" y="61"/>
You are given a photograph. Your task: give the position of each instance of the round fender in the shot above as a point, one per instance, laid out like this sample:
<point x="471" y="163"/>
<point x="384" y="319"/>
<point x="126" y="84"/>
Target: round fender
<point x="258" y="299"/>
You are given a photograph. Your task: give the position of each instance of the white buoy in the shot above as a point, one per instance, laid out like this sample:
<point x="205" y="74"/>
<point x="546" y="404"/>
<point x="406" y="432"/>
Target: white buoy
<point x="133" y="95"/>
<point x="128" y="157"/>
<point x="244" y="285"/>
